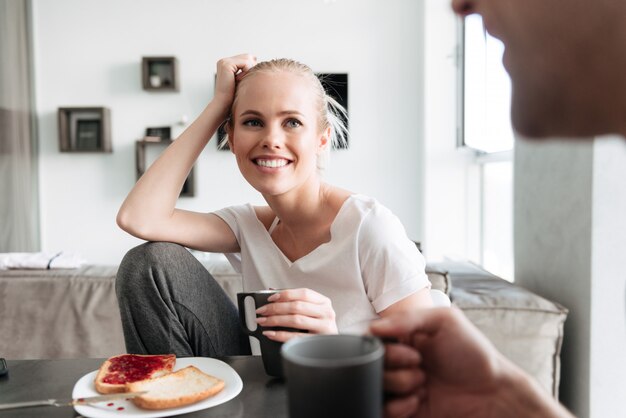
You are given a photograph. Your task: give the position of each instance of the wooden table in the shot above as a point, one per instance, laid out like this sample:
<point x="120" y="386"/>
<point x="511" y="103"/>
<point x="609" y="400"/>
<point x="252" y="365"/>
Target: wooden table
<point x="262" y="396"/>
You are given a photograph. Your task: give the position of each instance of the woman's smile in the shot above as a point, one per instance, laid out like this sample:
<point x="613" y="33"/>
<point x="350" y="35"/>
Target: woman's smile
<point x="271" y="162"/>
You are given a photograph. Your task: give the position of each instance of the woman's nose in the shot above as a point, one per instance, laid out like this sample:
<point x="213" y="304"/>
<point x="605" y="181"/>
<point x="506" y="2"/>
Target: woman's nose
<point x="272" y="138"/>
<point x="463" y="7"/>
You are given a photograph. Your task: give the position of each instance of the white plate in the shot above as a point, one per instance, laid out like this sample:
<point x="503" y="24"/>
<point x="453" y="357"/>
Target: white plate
<point x="85" y="387"/>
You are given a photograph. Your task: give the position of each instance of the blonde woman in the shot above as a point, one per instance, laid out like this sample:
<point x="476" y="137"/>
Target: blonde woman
<point x="344" y="257"/>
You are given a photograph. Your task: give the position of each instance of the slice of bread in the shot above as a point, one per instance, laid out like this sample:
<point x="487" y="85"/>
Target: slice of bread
<point x="183" y="387"/>
<point x="117" y="371"/>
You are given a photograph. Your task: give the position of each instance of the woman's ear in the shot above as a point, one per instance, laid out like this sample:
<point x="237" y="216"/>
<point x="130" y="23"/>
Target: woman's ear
<point x="325" y="139"/>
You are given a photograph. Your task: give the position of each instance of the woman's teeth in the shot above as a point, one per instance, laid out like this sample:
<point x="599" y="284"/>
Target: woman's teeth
<point x="272" y="163"/>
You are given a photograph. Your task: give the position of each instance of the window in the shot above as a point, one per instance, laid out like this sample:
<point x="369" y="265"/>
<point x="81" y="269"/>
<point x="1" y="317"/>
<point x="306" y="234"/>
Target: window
<point x="486" y="91"/>
<point x="485" y="126"/>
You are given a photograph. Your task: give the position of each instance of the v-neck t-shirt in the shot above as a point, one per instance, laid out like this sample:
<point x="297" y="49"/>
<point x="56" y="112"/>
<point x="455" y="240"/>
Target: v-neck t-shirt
<point x="368" y="265"/>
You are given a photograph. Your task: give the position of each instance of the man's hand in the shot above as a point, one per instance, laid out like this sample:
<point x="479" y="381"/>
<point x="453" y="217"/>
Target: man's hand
<point x="442" y="366"/>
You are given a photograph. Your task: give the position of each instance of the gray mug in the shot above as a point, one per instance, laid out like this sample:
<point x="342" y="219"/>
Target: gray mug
<point x="334" y="376"/>
<point x="270" y="349"/>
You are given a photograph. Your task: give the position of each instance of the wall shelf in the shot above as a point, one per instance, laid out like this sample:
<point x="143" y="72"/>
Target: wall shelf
<point x="141" y="151"/>
<point x="84" y="129"/>
<point x="160" y="73"/>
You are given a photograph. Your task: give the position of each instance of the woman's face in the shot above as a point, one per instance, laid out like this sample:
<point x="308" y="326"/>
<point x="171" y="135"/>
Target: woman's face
<point x="275" y="132"/>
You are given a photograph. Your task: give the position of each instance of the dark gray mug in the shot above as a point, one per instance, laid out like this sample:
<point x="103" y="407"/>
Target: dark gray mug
<point x="270" y="350"/>
<point x="334" y="376"/>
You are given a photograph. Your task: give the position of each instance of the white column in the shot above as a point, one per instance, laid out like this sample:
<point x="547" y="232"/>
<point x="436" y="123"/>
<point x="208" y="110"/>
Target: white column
<point x="570" y="246"/>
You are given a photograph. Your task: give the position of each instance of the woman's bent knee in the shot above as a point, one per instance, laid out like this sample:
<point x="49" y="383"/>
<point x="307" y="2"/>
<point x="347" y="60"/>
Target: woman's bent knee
<point x="137" y="264"/>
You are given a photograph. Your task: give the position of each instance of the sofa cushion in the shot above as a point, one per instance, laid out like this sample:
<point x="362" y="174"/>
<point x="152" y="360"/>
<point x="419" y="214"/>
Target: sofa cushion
<point x="525" y="327"/>
<point x="59" y="313"/>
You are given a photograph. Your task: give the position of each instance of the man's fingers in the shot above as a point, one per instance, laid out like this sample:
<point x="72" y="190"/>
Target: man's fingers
<point x="401" y="407"/>
<point x="398" y="356"/>
<point x="424" y="320"/>
<point x="403" y="381"/>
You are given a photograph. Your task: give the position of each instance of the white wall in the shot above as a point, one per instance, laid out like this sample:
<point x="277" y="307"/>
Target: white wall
<point x="88" y="52"/>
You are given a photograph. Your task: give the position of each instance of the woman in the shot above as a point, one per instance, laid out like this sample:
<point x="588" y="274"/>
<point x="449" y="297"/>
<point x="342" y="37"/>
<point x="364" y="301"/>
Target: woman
<point x="344" y="258"/>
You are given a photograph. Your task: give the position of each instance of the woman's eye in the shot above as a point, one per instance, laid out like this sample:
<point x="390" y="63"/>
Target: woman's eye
<point x="252" y="122"/>
<point x="293" y="123"/>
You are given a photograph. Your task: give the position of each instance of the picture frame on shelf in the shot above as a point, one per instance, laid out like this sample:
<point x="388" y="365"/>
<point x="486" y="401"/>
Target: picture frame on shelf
<point x="84" y="129"/>
<point x="88" y="134"/>
<point x="163" y="132"/>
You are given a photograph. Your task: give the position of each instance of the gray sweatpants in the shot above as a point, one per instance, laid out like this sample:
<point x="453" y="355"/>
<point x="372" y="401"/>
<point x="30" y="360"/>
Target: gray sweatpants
<point x="169" y="303"/>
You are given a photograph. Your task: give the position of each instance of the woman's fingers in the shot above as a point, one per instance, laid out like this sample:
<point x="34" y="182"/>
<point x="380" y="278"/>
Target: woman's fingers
<point x="306" y="323"/>
<point x="283" y="336"/>
<point x="296" y="307"/>
<point x="237" y="63"/>
<point x="229" y="71"/>
<point x="302" y="302"/>
<point x="302" y="309"/>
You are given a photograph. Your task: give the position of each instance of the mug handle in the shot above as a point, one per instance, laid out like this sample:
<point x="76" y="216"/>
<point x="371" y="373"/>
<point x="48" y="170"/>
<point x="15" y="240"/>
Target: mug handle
<point x="241" y="297"/>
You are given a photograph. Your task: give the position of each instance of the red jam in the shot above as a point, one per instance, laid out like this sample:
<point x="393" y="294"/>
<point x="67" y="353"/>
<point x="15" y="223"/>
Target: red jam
<point x="130" y="368"/>
<point x="121" y="408"/>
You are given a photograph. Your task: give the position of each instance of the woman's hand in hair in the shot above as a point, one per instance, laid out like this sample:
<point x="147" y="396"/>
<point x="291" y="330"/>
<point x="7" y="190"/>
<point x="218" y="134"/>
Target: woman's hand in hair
<point x="302" y="309"/>
<point x="229" y="70"/>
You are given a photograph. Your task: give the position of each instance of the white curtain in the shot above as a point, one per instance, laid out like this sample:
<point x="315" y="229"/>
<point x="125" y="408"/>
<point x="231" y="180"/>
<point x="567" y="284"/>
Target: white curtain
<point x="19" y="217"/>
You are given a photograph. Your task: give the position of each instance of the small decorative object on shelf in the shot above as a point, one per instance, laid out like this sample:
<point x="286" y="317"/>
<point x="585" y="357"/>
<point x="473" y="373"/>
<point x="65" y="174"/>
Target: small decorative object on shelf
<point x="159" y="73"/>
<point x="84" y="129"/>
<point x="141" y="151"/>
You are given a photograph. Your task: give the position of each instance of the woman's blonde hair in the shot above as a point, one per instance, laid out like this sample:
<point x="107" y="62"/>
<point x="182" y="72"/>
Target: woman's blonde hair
<point x="331" y="113"/>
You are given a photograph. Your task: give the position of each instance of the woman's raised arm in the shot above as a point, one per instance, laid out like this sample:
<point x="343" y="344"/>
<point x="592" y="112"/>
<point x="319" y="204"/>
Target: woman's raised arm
<point x="149" y="210"/>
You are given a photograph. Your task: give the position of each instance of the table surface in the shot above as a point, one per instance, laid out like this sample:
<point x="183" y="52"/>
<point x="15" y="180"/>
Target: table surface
<point x="262" y="395"/>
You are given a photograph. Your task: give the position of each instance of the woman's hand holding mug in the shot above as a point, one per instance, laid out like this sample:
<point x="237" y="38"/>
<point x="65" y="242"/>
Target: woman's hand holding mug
<point x="303" y="309"/>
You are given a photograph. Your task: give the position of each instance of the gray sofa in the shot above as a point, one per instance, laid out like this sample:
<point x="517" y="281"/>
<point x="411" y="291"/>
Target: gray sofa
<point x="73" y="314"/>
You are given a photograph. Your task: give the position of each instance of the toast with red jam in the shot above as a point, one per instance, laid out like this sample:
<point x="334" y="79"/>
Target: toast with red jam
<point x="117" y="371"/>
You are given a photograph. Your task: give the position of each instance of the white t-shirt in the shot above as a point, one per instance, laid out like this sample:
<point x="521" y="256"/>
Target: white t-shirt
<point x="368" y="264"/>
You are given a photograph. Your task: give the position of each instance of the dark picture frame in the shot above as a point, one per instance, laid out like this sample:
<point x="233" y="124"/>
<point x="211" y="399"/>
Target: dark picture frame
<point x="88" y="134"/>
<point x="163" y="132"/>
<point x="189" y="187"/>
<point x="84" y="129"/>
